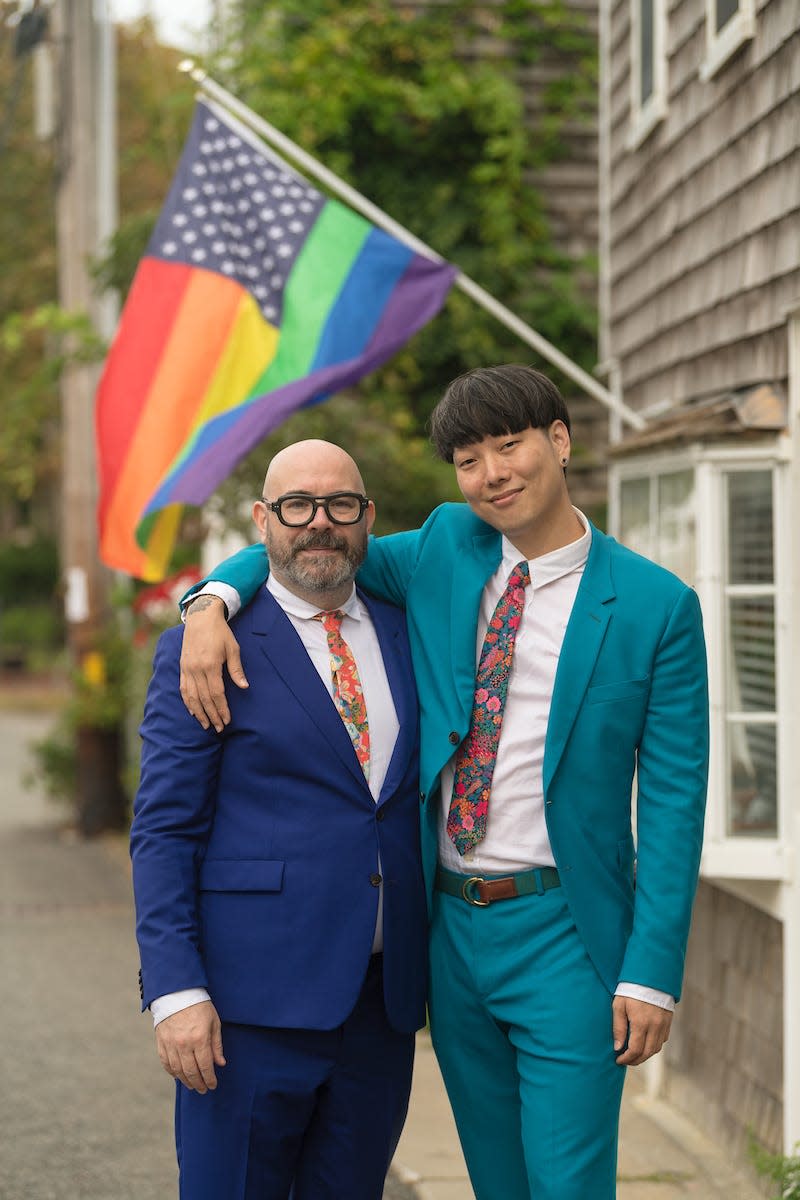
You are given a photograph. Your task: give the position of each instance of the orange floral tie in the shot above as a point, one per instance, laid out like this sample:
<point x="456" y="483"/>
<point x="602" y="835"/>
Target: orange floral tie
<point x="477" y="754"/>
<point x="348" y="695"/>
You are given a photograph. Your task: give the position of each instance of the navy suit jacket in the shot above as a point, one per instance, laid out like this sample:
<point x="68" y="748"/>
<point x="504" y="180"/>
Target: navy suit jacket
<point x="255" y="851"/>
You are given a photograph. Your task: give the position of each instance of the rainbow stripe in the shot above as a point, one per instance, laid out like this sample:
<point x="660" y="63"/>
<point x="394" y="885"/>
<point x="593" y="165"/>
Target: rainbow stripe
<point x="233" y="323"/>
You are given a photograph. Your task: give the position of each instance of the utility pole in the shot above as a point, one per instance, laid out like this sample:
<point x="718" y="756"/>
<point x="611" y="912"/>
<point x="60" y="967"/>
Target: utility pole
<point x="85" y="217"/>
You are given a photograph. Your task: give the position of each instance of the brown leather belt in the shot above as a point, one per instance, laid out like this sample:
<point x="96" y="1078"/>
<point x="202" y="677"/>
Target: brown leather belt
<point x="480" y="891"/>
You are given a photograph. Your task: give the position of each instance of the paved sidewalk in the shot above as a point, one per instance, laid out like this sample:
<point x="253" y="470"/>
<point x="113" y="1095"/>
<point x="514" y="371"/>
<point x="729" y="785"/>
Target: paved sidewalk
<point x="662" y="1155"/>
<point x="85" y="1109"/>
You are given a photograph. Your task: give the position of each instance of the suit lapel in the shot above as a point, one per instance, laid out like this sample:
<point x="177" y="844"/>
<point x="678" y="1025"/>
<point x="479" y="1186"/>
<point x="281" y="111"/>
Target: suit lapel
<point x="584" y="636"/>
<point x="480" y="559"/>
<point x="279" y="642"/>
<point x="401" y="685"/>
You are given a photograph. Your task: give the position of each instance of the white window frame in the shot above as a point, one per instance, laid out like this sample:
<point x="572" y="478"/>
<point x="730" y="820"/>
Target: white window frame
<point x="646" y="467"/>
<point x="722" y="44"/>
<point x="724" y="855"/>
<point x="750" y="865"/>
<point x="646" y="115"/>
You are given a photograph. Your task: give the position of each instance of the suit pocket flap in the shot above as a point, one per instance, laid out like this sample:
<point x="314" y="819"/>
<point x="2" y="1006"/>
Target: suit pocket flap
<point x="624" y="690"/>
<point x="241" y="875"/>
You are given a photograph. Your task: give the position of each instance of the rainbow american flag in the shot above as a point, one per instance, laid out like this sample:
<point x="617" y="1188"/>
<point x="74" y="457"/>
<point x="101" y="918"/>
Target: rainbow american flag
<point x="256" y="296"/>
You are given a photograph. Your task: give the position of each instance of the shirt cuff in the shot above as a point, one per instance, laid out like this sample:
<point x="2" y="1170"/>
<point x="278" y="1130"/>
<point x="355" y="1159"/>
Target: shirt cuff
<point x="227" y="594"/>
<point x="167" y="1006"/>
<point x="635" y="991"/>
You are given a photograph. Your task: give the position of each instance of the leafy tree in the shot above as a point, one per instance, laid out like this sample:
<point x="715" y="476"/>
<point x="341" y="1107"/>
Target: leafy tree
<point x="419" y="108"/>
<point x="155" y="111"/>
<point x="27" y="276"/>
<point x="35" y="335"/>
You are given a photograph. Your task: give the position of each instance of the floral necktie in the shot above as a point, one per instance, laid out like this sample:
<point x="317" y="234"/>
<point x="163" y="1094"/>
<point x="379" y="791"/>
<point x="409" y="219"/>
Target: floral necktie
<point x="348" y="695"/>
<point x="477" y="754"/>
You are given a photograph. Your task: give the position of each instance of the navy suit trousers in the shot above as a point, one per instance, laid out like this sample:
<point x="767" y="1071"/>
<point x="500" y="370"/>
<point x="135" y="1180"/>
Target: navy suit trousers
<point x="299" y="1114"/>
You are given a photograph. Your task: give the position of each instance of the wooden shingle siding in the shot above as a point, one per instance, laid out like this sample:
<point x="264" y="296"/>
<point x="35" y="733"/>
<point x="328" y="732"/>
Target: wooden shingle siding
<point x="705" y="213"/>
<point x="569" y="186"/>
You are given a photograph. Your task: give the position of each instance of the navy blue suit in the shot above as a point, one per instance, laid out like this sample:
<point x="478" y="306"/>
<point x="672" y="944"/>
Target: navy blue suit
<point x="255" y="857"/>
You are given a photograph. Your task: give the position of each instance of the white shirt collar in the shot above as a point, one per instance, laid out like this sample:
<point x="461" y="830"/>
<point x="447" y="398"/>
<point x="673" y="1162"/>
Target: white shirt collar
<point x="303" y="609"/>
<point x="549" y="567"/>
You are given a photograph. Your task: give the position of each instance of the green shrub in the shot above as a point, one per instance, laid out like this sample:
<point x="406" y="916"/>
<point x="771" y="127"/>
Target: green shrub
<point x="28" y="572"/>
<point x="99" y="700"/>
<point x="782" y="1168"/>
<point x="54" y="767"/>
<point x="30" y="635"/>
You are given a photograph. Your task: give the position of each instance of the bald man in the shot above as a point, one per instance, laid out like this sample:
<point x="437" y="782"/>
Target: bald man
<point x="280" y="904"/>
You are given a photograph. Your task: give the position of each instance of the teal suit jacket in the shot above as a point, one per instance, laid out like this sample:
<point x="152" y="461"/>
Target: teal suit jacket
<point x="630" y="699"/>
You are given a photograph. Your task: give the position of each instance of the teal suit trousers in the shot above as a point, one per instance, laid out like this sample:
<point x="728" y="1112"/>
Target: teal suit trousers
<point x="521" y="1025"/>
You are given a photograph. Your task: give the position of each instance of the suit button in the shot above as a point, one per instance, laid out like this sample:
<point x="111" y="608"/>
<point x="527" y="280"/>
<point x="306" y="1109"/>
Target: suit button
<point x="380" y="814"/>
<point x="422" y="797"/>
<point x="454" y="738"/>
<point x="376" y="880"/>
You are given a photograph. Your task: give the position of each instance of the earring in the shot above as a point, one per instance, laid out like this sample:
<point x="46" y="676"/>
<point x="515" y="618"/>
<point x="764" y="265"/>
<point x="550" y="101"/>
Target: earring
<point x="563" y="462"/>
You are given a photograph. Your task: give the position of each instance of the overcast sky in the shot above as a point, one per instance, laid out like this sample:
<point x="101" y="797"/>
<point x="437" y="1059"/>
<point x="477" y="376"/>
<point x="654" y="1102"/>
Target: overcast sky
<point x="179" y="21"/>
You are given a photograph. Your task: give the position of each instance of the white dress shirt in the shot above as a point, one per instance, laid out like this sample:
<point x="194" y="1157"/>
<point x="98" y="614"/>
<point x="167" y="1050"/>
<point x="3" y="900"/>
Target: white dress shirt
<point x="359" y="633"/>
<point x="516" y="832"/>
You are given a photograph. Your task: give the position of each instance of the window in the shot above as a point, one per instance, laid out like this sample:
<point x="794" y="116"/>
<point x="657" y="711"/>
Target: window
<point x="729" y="24"/>
<point x="750" y="686"/>
<point x="724" y="11"/>
<point x="648" y="68"/>
<point x="647" y="50"/>
<point x="716" y="516"/>
<point x="656" y="518"/>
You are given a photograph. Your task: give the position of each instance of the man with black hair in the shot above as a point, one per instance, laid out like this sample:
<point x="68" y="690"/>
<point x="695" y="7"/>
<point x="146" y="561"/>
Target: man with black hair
<point x="553" y="668"/>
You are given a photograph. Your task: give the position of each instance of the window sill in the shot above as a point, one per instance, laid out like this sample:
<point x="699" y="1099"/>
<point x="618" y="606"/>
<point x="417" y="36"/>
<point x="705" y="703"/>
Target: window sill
<point x="748" y="858"/>
<point x="722" y="46"/>
<point x="644" y="121"/>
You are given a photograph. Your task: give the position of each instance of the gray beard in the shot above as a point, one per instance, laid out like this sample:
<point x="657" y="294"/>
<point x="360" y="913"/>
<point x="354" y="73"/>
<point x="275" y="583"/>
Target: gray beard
<point x="318" y="575"/>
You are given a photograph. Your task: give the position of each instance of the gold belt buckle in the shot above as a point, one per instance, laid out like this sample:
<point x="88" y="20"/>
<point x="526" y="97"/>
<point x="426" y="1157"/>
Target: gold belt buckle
<point x="466" y="892"/>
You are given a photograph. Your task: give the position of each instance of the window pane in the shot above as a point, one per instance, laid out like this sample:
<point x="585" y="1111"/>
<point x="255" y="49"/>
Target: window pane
<point x="646" y="49"/>
<point x="725" y="9"/>
<point x="751" y="642"/>
<point x="753" y="779"/>
<point x="634" y="515"/>
<point x="676" y="524"/>
<point x="750" y="558"/>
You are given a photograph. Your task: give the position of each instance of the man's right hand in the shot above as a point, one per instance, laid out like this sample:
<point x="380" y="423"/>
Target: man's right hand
<point x="190" y="1046"/>
<point x="208" y="645"/>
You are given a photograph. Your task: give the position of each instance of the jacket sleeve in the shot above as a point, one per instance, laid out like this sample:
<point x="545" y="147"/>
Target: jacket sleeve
<point x="244" y="571"/>
<point x="385" y="572"/>
<point x="173" y="813"/>
<point x="389" y="565"/>
<point x="672" y="774"/>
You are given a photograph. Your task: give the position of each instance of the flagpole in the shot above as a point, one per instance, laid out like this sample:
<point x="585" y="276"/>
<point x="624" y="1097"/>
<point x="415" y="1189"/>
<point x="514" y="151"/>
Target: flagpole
<point x="361" y="204"/>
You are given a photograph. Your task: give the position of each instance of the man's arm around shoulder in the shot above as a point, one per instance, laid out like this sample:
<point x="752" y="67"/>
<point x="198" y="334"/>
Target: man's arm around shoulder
<point x="208" y="644"/>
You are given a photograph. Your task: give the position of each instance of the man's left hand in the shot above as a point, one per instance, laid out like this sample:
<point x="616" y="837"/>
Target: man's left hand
<point x="646" y="1026"/>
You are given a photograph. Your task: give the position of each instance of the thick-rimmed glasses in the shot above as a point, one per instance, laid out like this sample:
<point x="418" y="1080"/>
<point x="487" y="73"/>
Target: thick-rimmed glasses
<point x="296" y="509"/>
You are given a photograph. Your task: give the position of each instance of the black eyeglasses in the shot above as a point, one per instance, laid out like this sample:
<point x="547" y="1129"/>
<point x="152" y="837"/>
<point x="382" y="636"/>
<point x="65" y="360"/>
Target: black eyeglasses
<point x="296" y="508"/>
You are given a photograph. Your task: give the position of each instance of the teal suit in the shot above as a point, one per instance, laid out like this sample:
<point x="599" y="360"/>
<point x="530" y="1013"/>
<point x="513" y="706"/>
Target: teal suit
<point x="630" y="696"/>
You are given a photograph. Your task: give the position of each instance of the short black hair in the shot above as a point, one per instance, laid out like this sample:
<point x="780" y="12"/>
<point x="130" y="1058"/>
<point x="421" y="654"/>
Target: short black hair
<point x="491" y="401"/>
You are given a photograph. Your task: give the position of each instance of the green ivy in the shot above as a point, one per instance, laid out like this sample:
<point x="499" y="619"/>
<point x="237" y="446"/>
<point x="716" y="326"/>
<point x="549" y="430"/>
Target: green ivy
<point x="35" y="347"/>
<point x="783" y="1170"/>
